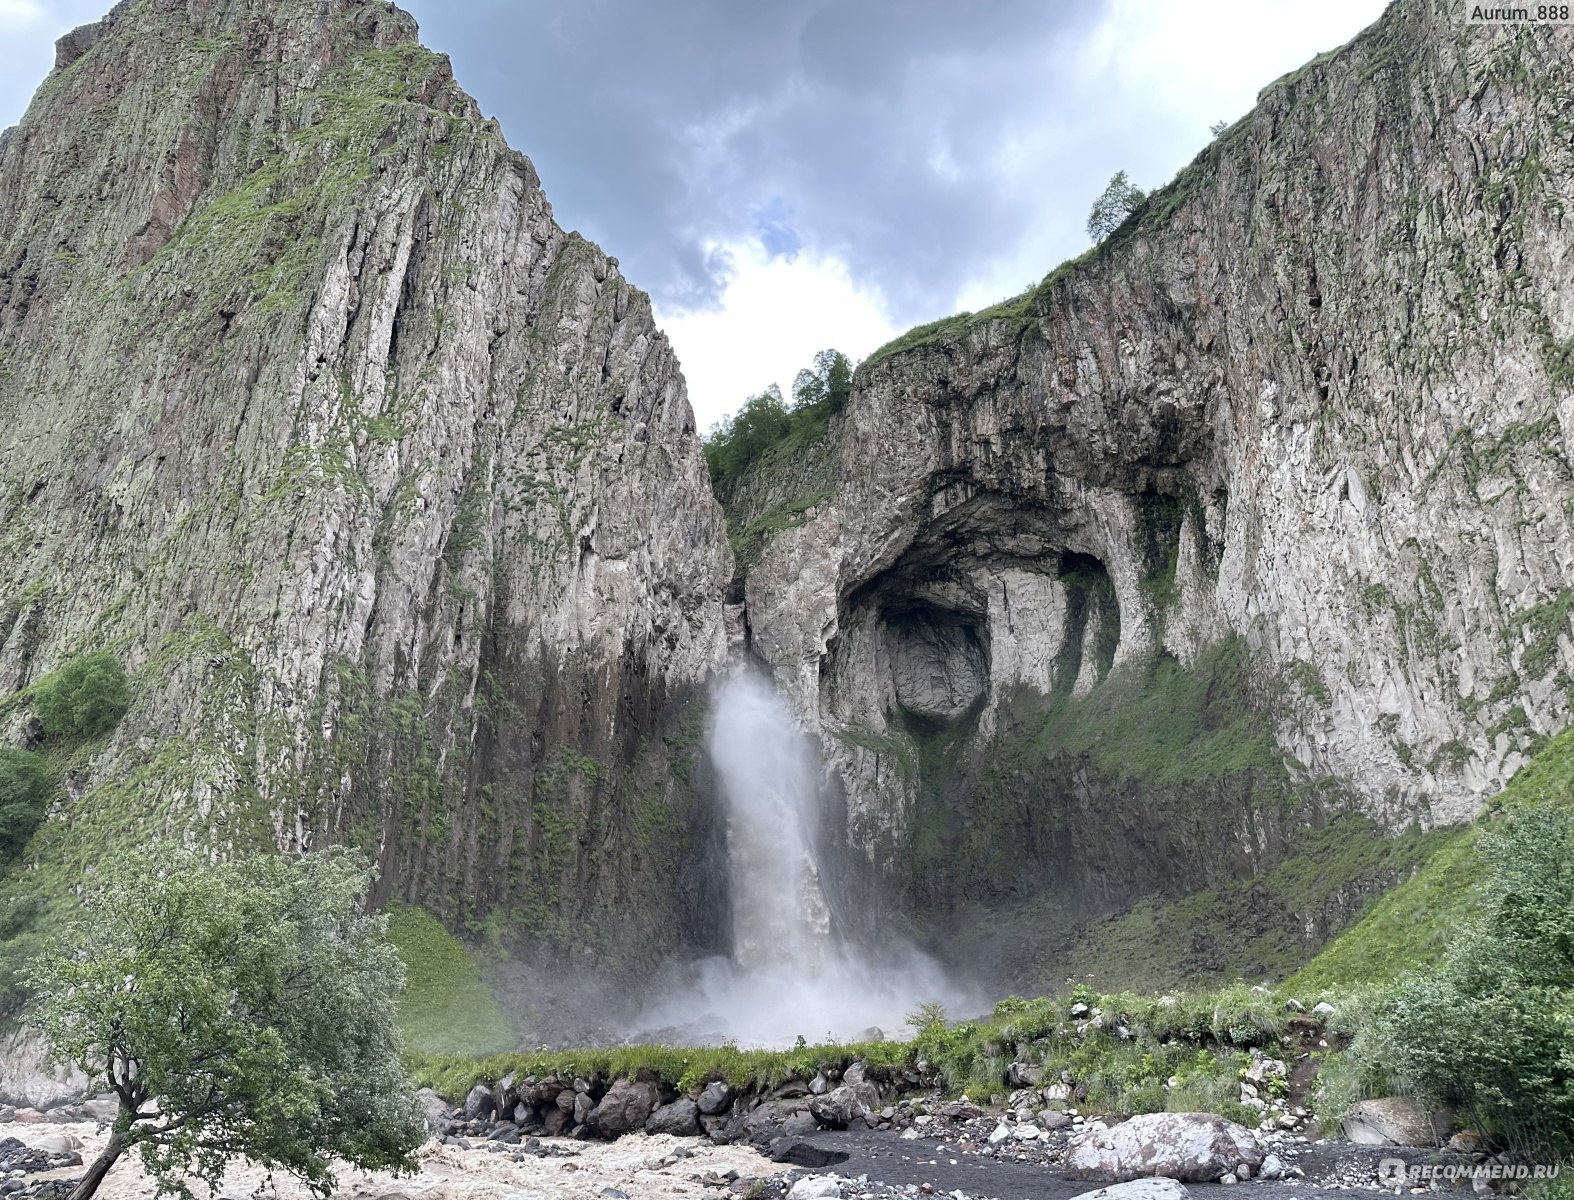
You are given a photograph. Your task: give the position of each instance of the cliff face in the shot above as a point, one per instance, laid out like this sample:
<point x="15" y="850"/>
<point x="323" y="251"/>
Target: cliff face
<point x="1277" y="484"/>
<point x="384" y="487"/>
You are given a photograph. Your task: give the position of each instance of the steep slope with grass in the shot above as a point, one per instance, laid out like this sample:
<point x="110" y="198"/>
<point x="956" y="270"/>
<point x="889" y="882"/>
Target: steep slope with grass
<point x="1256" y="516"/>
<point x="383" y="488"/>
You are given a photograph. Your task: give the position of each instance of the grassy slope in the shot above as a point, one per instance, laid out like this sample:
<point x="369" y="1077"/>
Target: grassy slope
<point x="1201" y="1039"/>
<point x="1255" y="929"/>
<point x="447" y="1007"/>
<point x="1410" y="926"/>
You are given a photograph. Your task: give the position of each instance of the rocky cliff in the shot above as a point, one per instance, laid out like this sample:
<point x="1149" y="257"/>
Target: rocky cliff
<point x="383" y="487"/>
<point x="1258" y="513"/>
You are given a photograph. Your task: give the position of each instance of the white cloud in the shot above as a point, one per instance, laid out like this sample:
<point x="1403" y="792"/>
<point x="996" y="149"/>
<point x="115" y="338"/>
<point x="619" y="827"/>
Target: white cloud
<point x="1149" y="81"/>
<point x="775" y="315"/>
<point x="18" y="16"/>
<point x="1168" y="60"/>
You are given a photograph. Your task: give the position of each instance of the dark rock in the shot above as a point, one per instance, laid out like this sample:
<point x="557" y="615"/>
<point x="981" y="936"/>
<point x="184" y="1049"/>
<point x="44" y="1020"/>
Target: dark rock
<point x="624" y="1109"/>
<point x="715" y="1098"/>
<point x="556" y="1122"/>
<point x="775" y="1118"/>
<point x="681" y="1118"/>
<point x="803" y="1154"/>
<point x="480" y="1104"/>
<point x="840" y="1106"/>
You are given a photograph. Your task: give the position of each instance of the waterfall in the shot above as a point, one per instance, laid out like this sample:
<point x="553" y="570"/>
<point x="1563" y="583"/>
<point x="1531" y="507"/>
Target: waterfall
<point x="792" y="972"/>
<point x="769" y="778"/>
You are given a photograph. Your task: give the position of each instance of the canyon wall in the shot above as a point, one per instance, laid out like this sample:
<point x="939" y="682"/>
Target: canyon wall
<point x="1258" y="513"/>
<point x="384" y="488"/>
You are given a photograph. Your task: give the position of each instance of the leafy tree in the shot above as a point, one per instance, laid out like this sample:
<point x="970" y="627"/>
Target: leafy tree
<point x="827" y="384"/>
<point x="87" y="696"/>
<point x="1491" y="1031"/>
<point x="1119" y="199"/>
<point x="234" y="1008"/>
<point x="767" y="420"/>
<point x="24" y="793"/>
<point x="1218" y="127"/>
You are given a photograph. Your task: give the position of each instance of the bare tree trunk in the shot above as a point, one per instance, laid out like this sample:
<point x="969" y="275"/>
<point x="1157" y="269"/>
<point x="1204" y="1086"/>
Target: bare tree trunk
<point x="100" y="1167"/>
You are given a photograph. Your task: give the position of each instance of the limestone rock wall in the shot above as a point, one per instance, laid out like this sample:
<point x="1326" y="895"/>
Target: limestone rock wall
<point x="384" y="487"/>
<point x="1317" y="397"/>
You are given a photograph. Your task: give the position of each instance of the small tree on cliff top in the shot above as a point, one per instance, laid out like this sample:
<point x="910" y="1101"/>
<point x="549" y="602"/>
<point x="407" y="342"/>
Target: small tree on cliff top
<point x="238" y="1008"/>
<point x="1119" y="199"/>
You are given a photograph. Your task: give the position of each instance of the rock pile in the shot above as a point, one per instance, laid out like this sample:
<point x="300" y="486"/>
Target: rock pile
<point x="1265" y="1088"/>
<point x="515" y="1109"/>
<point x="18" y="1161"/>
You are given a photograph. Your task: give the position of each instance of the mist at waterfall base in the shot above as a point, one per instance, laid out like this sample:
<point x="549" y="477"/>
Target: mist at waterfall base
<point x="792" y="972"/>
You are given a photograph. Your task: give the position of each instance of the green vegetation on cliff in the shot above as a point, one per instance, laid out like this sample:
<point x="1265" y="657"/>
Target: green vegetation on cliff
<point x="768" y="426"/>
<point x="1410" y="926"/>
<point x="447" y="1008"/>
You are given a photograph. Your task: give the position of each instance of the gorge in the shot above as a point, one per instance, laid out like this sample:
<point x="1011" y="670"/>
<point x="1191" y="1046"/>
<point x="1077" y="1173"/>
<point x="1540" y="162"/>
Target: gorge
<point x="1149" y="625"/>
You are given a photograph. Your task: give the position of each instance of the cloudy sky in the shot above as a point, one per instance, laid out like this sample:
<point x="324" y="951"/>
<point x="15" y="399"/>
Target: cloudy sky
<point x="789" y="175"/>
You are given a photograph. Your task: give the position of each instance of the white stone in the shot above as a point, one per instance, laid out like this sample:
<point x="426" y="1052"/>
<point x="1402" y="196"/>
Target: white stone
<point x="816" y="1187"/>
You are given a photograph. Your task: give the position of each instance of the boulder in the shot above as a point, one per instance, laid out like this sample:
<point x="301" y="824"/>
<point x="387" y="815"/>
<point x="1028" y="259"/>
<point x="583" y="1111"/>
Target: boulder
<point x="681" y="1118"/>
<point x="839" y="1107"/>
<point x="557" y="1121"/>
<point x="803" y="1154"/>
<point x="29" y="1077"/>
<point x="1140" y="1189"/>
<point x="1395" y="1121"/>
<point x="1191" y="1147"/>
<point x="104" y="1109"/>
<point x="480" y="1104"/>
<point x="714" y="1098"/>
<point x="624" y="1109"/>
<point x="434" y="1109"/>
<point x="1023" y="1074"/>
<point x="1262" y="1070"/>
<point x="775" y="1118"/>
<point x="816" y="1187"/>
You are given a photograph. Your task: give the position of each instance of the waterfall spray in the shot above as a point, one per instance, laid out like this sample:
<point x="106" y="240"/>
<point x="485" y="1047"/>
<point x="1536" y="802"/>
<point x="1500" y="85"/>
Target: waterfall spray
<point x="792" y="972"/>
<point x="769" y="780"/>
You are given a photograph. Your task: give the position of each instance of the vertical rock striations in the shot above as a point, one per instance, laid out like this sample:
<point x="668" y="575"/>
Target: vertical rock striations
<point x="384" y="487"/>
<point x="1302" y="430"/>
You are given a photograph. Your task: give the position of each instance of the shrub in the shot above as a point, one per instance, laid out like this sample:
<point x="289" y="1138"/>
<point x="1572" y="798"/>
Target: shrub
<point x="85" y="697"/>
<point x="24" y="793"/>
<point x="1490" y="1031"/>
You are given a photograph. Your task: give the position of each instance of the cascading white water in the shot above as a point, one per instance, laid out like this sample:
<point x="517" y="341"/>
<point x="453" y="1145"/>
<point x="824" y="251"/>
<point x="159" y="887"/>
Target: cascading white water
<point x="769" y="779"/>
<point x="791" y="974"/>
